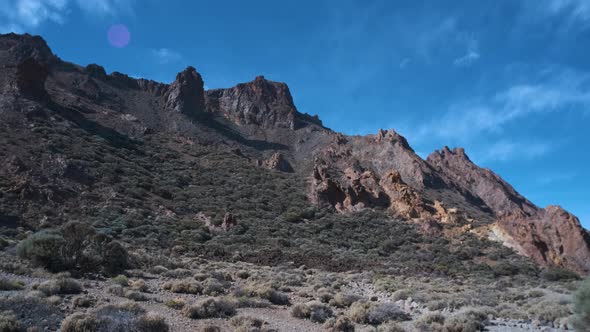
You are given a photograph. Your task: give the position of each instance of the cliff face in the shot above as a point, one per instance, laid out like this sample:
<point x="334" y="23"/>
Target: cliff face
<point x="258" y="122"/>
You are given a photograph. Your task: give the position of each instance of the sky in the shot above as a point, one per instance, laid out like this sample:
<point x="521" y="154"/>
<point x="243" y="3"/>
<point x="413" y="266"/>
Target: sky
<point x="508" y="80"/>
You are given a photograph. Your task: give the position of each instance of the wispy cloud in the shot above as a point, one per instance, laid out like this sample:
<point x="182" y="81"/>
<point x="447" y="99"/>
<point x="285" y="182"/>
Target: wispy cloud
<point x="562" y="91"/>
<point x="20" y="15"/>
<point x="505" y="150"/>
<point x="166" y="55"/>
<point x="576" y="9"/>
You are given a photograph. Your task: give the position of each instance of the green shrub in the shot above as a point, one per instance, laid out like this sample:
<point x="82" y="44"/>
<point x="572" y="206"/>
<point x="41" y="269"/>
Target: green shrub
<point x="121" y="280"/>
<point x="9" y="322"/>
<point x="6" y="284"/>
<point x="43" y="249"/>
<point x="210" y="308"/>
<point x="115" y="258"/>
<point x="582" y="307"/>
<point x="558" y="273"/>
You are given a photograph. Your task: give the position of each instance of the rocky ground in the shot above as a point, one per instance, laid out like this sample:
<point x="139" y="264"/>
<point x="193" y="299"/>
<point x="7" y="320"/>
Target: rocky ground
<point x="272" y="296"/>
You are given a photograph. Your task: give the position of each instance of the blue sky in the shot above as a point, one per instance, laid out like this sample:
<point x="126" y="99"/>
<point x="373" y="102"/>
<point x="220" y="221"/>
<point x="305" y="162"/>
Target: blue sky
<point x="506" y="79"/>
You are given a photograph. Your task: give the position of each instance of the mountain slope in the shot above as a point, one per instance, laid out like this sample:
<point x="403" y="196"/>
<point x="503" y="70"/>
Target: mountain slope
<point x="164" y="162"/>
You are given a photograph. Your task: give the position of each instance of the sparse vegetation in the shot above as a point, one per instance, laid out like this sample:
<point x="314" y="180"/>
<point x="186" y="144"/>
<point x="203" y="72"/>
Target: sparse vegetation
<point x="315" y="311"/>
<point x="210" y="308"/>
<point x="582" y="307"/>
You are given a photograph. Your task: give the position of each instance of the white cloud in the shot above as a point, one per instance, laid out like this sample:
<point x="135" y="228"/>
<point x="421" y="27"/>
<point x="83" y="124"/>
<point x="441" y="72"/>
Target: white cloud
<point x="20" y="15"/>
<point x="106" y="7"/>
<point x="505" y="150"/>
<point x="560" y="91"/>
<point x="576" y="9"/>
<point x="166" y="55"/>
<point x="468" y="59"/>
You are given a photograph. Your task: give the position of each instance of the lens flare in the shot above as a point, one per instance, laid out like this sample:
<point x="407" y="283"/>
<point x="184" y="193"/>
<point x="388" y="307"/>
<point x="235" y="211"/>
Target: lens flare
<point x="119" y="35"/>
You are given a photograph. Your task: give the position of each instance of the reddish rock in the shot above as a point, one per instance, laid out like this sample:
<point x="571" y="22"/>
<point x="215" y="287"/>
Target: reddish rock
<point x="277" y="162"/>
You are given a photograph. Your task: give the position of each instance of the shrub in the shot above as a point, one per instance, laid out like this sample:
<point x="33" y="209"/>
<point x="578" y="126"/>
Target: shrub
<point x="547" y="311"/>
<point x="115" y="258"/>
<point x="117" y="290"/>
<point x="136" y="296"/>
<point x="9" y="322"/>
<point x="6" y="284"/>
<point x="557" y="274"/>
<point x="176" y="303"/>
<point x="42" y="249"/>
<point x="211" y="328"/>
<point x="246" y="324"/>
<point x="83" y="302"/>
<point x="60" y="286"/>
<point x="401" y="294"/>
<point x="340" y="324"/>
<point x="462" y="324"/>
<point x="270" y="294"/>
<point x="582" y="307"/>
<point x="430" y="322"/>
<point x="158" y="269"/>
<point x="391" y="327"/>
<point x="138" y="285"/>
<point x="184" y="287"/>
<point x="81" y="322"/>
<point x="385" y="312"/>
<point x="152" y="322"/>
<point x="213" y="287"/>
<point x="315" y="311"/>
<point x="178" y="273"/>
<point x="341" y="300"/>
<point x="121" y="280"/>
<point x="210" y="308"/>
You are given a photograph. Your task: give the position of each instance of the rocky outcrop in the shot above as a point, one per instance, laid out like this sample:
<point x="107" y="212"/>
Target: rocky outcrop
<point x="277" y="162"/>
<point x="550" y="236"/>
<point x="497" y="194"/>
<point x="263" y="103"/>
<point x="186" y="95"/>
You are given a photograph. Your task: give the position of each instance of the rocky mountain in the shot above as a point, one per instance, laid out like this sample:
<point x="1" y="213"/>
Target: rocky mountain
<point x="80" y="143"/>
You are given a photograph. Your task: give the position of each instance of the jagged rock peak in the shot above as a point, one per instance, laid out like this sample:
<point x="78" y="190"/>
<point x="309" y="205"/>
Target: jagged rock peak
<point x="392" y="136"/>
<point x="186" y="94"/>
<point x="446" y="153"/>
<point x="261" y="102"/>
<point x="15" y="49"/>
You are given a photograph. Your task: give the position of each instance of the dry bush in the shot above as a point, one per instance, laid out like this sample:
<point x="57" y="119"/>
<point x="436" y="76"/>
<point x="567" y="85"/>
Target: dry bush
<point x="210" y="308"/>
<point x="9" y="322"/>
<point x="340" y="324"/>
<point x="390" y="327"/>
<point x="342" y="300"/>
<point x="83" y="301"/>
<point x="376" y="313"/>
<point x="430" y="322"/>
<point x="247" y="324"/>
<point x="152" y="322"/>
<point x="176" y="303"/>
<point x="136" y="296"/>
<point x="60" y="286"/>
<point x="186" y="286"/>
<point x="315" y="311"/>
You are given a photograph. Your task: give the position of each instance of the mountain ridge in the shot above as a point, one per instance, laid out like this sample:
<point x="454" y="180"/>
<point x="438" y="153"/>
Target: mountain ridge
<point x="259" y="122"/>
